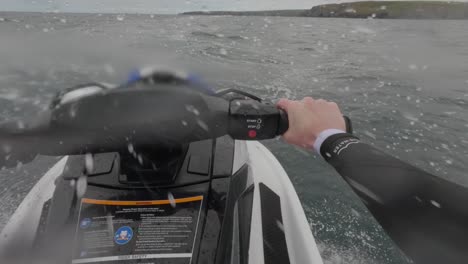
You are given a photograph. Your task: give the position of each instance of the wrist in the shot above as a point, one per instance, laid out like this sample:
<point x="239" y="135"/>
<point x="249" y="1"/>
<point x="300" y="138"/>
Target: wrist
<point x="323" y="136"/>
<point x="335" y="144"/>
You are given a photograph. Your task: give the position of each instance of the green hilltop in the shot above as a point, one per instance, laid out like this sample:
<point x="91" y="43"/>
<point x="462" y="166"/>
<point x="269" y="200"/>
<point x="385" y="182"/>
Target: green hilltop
<point x="393" y="9"/>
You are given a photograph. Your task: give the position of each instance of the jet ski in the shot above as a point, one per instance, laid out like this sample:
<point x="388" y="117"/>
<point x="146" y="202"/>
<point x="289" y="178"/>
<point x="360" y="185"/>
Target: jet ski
<point x="161" y="169"/>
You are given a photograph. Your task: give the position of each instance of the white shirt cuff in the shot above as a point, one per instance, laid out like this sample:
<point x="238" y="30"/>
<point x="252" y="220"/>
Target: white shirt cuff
<point x="323" y="136"/>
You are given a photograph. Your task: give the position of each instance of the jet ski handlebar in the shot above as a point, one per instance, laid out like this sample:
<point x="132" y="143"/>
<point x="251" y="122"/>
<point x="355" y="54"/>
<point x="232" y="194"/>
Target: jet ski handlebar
<point x="117" y="119"/>
<point x="253" y="120"/>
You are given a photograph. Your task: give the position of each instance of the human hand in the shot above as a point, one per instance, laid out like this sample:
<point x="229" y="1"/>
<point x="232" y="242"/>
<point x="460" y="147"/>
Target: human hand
<point x="308" y="118"/>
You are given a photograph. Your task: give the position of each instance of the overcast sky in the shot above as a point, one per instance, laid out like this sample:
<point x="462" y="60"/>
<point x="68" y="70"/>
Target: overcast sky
<point x="155" y="6"/>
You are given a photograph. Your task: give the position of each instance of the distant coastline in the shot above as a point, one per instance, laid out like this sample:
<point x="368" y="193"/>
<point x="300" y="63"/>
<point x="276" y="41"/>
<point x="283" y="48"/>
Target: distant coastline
<point x="284" y="13"/>
<point x="366" y="9"/>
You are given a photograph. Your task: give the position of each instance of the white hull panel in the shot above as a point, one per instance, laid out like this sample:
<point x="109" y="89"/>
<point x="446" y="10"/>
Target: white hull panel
<point x="22" y="226"/>
<point x="300" y="241"/>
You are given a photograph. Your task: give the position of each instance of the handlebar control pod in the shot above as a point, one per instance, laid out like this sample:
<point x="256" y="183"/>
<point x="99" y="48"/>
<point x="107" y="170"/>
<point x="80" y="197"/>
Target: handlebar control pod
<point x="253" y="120"/>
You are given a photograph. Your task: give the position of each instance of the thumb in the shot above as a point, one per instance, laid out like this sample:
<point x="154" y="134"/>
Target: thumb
<point x="284" y="104"/>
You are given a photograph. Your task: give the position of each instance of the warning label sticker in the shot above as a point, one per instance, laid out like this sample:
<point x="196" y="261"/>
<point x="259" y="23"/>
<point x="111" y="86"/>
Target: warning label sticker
<point x="160" y="231"/>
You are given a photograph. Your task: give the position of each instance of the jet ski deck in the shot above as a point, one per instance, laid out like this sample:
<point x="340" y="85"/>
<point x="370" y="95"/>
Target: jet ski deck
<point x="251" y="215"/>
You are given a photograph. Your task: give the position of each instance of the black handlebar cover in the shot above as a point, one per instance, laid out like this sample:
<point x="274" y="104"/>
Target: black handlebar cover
<point x="111" y="120"/>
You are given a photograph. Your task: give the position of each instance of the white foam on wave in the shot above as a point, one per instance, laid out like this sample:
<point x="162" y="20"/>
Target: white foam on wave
<point x="10" y="95"/>
<point x="361" y="29"/>
<point x="332" y="254"/>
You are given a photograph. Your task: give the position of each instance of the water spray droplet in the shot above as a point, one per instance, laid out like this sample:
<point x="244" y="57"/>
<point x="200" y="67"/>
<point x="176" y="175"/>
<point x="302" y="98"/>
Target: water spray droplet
<point x="171" y="199"/>
<point x="89" y="163"/>
<point x="81" y="185"/>
<point x="192" y="109"/>
<point x="436" y="204"/>
<point x="203" y="125"/>
<point x="130" y="148"/>
<point x="280" y="225"/>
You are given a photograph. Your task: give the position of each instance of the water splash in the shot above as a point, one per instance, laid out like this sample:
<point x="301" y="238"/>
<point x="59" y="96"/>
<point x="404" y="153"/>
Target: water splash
<point x="81" y="186"/>
<point x="131" y="149"/>
<point x="436" y="204"/>
<point x="192" y="109"/>
<point x="280" y="225"/>
<point x="203" y="125"/>
<point x="140" y="159"/>
<point x="171" y="199"/>
<point x="89" y="163"/>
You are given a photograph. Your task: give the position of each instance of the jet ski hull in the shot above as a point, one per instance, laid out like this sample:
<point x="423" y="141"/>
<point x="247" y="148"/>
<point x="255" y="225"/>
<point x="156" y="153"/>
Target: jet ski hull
<point x="234" y="204"/>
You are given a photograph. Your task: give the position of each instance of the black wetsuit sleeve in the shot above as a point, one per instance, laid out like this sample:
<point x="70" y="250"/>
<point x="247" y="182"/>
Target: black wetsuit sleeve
<point x="426" y="216"/>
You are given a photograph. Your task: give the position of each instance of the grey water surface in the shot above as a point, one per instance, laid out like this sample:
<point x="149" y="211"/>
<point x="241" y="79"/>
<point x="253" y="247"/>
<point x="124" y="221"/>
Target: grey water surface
<point x="404" y="83"/>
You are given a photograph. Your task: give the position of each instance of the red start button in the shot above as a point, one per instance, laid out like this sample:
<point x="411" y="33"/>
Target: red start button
<point x="252" y="133"/>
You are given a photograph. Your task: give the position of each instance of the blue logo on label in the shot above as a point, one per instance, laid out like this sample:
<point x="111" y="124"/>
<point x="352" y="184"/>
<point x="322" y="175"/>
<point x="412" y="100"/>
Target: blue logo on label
<point x="123" y="235"/>
<point x="85" y="223"/>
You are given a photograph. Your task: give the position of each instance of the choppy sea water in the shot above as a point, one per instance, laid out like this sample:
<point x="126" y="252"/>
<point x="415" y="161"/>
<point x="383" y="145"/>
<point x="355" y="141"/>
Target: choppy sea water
<point x="404" y="83"/>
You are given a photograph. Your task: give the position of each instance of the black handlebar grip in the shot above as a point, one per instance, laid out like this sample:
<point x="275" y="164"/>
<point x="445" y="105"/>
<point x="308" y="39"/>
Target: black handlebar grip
<point x="283" y="122"/>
